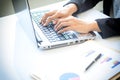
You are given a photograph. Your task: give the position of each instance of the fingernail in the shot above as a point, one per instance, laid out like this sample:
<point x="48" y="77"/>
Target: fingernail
<point x="44" y="24"/>
<point x="53" y="22"/>
<point x="55" y="29"/>
<point x="58" y="32"/>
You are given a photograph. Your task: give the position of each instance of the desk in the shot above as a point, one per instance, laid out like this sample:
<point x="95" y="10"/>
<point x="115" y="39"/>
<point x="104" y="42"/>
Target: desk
<point x="18" y="55"/>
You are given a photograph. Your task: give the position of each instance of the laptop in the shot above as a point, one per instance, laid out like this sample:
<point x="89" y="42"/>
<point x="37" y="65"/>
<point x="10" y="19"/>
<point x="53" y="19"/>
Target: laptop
<point x="45" y="37"/>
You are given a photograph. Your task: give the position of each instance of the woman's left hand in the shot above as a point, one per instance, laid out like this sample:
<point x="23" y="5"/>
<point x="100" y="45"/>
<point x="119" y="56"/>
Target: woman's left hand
<point x="75" y="24"/>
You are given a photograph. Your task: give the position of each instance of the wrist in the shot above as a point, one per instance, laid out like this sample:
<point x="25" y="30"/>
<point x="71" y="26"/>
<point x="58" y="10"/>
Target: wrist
<point x="94" y="27"/>
<point x="71" y="8"/>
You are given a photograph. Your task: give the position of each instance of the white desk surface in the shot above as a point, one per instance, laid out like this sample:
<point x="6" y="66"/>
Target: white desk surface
<point x="18" y="54"/>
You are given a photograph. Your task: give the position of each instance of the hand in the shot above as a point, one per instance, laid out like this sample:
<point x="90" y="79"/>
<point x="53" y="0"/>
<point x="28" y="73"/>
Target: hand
<point x="53" y="15"/>
<point x="58" y="14"/>
<point x="75" y="24"/>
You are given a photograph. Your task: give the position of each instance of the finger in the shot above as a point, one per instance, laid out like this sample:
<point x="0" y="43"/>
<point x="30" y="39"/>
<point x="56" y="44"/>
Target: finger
<point x="60" y="21"/>
<point x="50" y="18"/>
<point x="55" y="21"/>
<point x="61" y="25"/>
<point x="46" y="15"/>
<point x="64" y="30"/>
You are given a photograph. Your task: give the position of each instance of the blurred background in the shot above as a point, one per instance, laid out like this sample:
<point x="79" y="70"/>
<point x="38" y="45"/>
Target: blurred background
<point x="6" y="7"/>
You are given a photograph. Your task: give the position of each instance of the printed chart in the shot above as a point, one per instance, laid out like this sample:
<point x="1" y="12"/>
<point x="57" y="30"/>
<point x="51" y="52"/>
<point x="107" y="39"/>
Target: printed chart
<point x="69" y="76"/>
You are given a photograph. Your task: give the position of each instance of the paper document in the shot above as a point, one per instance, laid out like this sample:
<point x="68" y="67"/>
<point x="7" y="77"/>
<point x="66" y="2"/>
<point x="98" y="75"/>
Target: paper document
<point x="71" y="66"/>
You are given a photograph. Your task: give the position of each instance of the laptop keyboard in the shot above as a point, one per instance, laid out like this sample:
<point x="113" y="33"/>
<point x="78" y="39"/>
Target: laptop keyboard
<point x="49" y="31"/>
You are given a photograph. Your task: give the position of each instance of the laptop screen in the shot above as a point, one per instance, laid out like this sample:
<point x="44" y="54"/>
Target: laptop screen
<point x="22" y="11"/>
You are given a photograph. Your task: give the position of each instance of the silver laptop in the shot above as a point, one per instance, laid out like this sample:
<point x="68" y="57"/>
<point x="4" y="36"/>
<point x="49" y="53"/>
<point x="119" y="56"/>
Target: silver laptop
<point x="45" y="37"/>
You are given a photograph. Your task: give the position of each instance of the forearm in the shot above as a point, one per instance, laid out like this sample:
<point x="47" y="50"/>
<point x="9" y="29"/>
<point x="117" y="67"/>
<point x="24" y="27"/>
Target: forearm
<point x="83" y="5"/>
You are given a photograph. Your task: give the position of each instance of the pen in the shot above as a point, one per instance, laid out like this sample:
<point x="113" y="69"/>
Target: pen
<point x="35" y="77"/>
<point x="98" y="57"/>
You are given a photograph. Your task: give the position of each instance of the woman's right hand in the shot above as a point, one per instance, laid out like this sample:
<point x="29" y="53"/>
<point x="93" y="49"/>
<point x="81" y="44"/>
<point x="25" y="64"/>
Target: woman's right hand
<point x="54" y="15"/>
